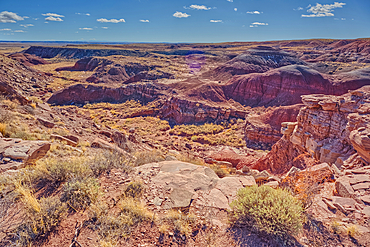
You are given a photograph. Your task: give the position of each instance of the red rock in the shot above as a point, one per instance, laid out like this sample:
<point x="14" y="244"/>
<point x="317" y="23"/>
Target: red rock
<point x="343" y="188"/>
<point x="28" y="59"/>
<point x="64" y="139"/>
<point x="45" y="122"/>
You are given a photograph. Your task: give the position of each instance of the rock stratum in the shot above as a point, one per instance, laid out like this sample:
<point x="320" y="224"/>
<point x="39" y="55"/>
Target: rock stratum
<point x="331" y="129"/>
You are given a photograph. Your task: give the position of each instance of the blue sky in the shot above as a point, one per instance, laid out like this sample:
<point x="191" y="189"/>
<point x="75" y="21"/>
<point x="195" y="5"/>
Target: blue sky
<point x="182" y="21"/>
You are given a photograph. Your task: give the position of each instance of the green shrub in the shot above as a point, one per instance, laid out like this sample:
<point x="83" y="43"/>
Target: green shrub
<point x="48" y="214"/>
<point x="80" y="193"/>
<point x="271" y="211"/>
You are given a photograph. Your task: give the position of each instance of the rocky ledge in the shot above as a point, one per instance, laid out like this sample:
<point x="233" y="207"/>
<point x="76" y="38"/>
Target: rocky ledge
<point x="17" y="153"/>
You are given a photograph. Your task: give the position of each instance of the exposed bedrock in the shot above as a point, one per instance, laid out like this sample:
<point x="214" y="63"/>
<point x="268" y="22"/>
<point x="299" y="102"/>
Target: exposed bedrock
<point x="285" y="85"/>
<point x="263" y="130"/>
<point x="174" y="109"/>
<point x="328" y="129"/>
<point x="257" y="60"/>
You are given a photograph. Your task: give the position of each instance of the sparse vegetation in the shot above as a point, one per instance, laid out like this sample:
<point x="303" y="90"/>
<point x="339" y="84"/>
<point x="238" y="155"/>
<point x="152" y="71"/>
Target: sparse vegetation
<point x="179" y="222"/>
<point x="146" y="157"/>
<point x="80" y="193"/>
<point x="272" y="211"/>
<point x="41" y="217"/>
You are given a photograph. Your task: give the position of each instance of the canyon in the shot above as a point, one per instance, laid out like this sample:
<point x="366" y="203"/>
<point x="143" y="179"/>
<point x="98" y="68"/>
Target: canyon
<point x="283" y="114"/>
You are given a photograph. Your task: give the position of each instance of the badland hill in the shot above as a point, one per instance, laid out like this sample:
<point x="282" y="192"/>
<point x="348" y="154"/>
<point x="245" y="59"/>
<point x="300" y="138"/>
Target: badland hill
<point x="155" y="144"/>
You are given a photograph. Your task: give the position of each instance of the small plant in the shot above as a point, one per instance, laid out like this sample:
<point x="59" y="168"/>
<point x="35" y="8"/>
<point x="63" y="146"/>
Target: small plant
<point x="221" y="173"/>
<point x="352" y="231"/>
<point x="179" y="222"/>
<point x="335" y="226"/>
<point x="148" y="157"/>
<point x="134" y="189"/>
<point x="271" y="211"/>
<point x="107" y="161"/>
<point x="113" y="226"/>
<point x="40" y="220"/>
<point x="80" y="193"/>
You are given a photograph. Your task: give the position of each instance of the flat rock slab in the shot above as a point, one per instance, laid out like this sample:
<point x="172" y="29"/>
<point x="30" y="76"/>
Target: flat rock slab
<point x="359" y="179"/>
<point x="229" y="187"/>
<point x="361" y="186"/>
<point x="17" y="153"/>
<point x="366" y="210"/>
<point x="365" y="199"/>
<point x="186" y="183"/>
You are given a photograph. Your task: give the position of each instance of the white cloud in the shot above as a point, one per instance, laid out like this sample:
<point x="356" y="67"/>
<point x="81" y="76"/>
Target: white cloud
<point x="18" y="31"/>
<point x="144" y="20"/>
<point x="254" y="12"/>
<point x="26" y="25"/>
<point x="53" y="14"/>
<point x="198" y="7"/>
<point x="180" y="15"/>
<point x="82" y="14"/>
<point x="104" y="27"/>
<point x="86" y="28"/>
<point x="10" y="17"/>
<point x="343" y="19"/>
<point x="215" y="21"/>
<point x="230" y="1"/>
<point x="322" y="10"/>
<point x="52" y="18"/>
<point x="235" y="9"/>
<point x="299" y="8"/>
<point x="256" y="24"/>
<point x="5" y="29"/>
<point x="103" y="20"/>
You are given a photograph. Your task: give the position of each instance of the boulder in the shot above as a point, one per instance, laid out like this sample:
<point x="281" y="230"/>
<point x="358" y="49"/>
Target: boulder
<point x="121" y="140"/>
<point x="46" y="123"/>
<point x="360" y="140"/>
<point x="343" y="188"/>
<point x="18" y="153"/>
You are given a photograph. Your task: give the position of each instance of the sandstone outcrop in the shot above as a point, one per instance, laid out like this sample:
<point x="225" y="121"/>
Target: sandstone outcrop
<point x="328" y="129"/>
<point x="176" y="184"/>
<point x="17" y="153"/>
<point x="263" y="130"/>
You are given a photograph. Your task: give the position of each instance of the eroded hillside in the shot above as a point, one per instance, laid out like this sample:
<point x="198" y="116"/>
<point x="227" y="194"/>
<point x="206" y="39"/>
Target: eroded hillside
<point x="148" y="144"/>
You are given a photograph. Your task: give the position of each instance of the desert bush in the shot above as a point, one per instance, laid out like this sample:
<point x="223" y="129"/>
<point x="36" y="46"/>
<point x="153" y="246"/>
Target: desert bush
<point x="271" y="211"/>
<point x="40" y="219"/>
<point x="112" y="226"/>
<point x="57" y="171"/>
<point x="181" y="223"/>
<point x="352" y="231"/>
<point x="191" y="130"/>
<point x="220" y="172"/>
<point x="146" y="157"/>
<point x="134" y="189"/>
<point x="107" y="161"/>
<point x="80" y="193"/>
<point x="335" y="227"/>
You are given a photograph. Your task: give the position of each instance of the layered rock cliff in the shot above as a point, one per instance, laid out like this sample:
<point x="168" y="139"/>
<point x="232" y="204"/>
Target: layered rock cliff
<point x="328" y="129"/>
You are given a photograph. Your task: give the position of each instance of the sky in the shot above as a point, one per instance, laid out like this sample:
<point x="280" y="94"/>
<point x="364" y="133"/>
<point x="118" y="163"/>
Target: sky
<point x="203" y="21"/>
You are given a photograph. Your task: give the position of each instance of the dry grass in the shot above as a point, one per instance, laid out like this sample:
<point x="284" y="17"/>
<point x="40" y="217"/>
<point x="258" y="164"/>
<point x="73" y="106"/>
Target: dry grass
<point x="113" y="226"/>
<point x="178" y="222"/>
<point x="146" y="157"/>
